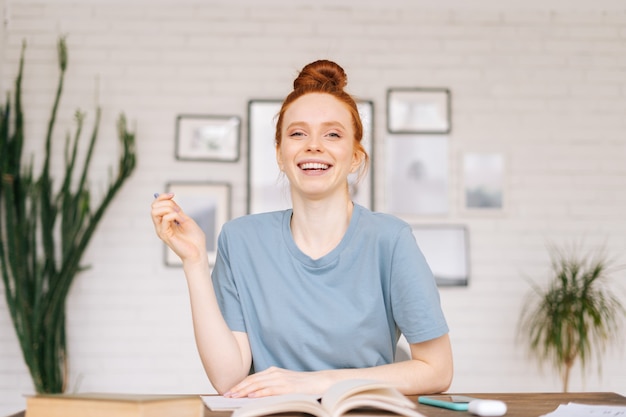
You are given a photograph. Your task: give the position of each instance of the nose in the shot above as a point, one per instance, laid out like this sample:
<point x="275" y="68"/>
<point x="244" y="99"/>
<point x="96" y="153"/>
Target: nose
<point x="315" y="143"/>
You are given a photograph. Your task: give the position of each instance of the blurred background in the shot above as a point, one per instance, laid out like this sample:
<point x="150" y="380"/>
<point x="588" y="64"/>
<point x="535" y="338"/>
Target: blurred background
<point x="537" y="93"/>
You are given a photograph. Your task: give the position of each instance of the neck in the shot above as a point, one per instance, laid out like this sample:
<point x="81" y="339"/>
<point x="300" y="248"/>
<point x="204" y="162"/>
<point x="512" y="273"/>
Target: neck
<point x="318" y="226"/>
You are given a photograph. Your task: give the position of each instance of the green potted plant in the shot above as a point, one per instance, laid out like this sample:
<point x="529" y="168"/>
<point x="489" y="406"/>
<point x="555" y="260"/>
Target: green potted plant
<point x="45" y="228"/>
<point x="575" y="315"/>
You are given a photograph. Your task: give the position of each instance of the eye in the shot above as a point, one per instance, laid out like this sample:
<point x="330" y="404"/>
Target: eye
<point x="296" y="133"/>
<point x="334" y="135"/>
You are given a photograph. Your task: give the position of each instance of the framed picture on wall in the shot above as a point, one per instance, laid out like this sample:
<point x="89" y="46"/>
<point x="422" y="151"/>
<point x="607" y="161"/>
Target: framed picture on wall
<point x="208" y="204"/>
<point x="417" y="174"/>
<point x="446" y="249"/>
<point x="362" y="192"/>
<point x="268" y="189"/>
<point x="419" y="110"/>
<point x="207" y="138"/>
<point x="483" y="179"/>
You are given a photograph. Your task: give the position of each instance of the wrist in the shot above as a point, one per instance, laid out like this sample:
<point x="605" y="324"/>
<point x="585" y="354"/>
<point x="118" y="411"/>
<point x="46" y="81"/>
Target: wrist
<point x="198" y="263"/>
<point x="326" y="378"/>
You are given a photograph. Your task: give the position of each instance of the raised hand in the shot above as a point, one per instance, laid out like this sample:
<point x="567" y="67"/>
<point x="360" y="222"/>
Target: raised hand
<point x="179" y="231"/>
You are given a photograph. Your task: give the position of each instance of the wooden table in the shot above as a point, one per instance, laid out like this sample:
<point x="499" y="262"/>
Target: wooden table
<point x="530" y="404"/>
<point x="518" y="404"/>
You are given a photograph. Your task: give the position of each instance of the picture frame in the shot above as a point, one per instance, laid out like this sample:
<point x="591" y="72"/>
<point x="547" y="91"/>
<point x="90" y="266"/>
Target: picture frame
<point x="419" y="110"/>
<point x="446" y="249"/>
<point x="209" y="205"/>
<point x="483" y="181"/>
<point x="268" y="189"/>
<point x="417" y="175"/>
<point x="207" y="138"/>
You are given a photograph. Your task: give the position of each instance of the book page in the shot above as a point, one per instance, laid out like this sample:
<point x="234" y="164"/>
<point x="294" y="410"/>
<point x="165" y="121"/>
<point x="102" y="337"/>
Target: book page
<point x="289" y="403"/>
<point x="364" y="403"/>
<point x="221" y="403"/>
<point x="355" y="393"/>
<point x="586" y="410"/>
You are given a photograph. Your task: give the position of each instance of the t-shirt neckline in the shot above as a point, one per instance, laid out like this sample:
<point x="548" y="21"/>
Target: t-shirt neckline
<point x="332" y="256"/>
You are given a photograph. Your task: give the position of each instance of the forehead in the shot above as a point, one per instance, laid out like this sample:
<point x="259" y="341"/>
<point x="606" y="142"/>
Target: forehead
<point x="317" y="108"/>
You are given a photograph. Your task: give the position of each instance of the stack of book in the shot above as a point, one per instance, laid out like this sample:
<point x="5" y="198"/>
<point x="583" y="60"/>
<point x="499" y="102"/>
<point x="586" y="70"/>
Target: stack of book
<point x="117" y="405"/>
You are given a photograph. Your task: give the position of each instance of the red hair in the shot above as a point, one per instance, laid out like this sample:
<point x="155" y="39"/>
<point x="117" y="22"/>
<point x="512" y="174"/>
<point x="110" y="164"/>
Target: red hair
<point x="326" y="77"/>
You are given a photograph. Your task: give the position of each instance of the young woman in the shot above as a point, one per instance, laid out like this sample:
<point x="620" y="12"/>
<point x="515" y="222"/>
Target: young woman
<point x="302" y="298"/>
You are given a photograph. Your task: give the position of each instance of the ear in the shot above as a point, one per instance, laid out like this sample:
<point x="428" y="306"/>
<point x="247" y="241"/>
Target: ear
<point x="357" y="160"/>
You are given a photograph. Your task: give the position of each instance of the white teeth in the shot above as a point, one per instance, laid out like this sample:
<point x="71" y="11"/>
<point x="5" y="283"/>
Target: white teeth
<point x="313" y="165"/>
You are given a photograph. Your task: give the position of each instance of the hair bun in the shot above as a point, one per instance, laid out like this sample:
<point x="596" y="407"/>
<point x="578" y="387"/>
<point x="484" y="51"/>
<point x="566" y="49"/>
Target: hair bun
<point x="321" y="75"/>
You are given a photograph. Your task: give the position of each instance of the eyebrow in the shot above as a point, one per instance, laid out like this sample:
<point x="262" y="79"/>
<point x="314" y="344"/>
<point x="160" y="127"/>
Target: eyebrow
<point x="334" y="123"/>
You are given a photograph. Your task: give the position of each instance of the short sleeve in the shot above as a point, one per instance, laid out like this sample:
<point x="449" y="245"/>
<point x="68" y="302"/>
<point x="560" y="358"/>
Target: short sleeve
<point x="226" y="288"/>
<point x="416" y="304"/>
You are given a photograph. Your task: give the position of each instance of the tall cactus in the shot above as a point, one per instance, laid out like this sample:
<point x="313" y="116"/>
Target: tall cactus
<point x="44" y="231"/>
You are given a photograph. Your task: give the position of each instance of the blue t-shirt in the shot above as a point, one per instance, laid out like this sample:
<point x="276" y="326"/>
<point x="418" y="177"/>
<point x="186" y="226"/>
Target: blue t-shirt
<point x="343" y="310"/>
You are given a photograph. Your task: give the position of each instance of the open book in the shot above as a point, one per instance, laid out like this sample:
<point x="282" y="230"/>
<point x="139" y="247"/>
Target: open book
<point x="342" y="397"/>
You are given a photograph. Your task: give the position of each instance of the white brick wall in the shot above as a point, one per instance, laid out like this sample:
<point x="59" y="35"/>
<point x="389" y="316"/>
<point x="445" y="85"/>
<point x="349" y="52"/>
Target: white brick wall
<point x="540" y="82"/>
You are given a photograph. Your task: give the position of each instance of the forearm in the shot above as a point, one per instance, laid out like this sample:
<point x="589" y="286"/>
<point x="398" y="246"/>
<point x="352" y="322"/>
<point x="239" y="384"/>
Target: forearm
<point x="429" y="371"/>
<point x="411" y="377"/>
<point x="224" y="360"/>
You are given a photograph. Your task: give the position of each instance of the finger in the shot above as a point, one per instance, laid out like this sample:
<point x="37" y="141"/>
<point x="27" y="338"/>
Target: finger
<point x="271" y="381"/>
<point x="163" y="196"/>
<point x="245" y="387"/>
<point x="170" y="219"/>
<point x="172" y="205"/>
<point x="165" y="200"/>
<point x="163" y="207"/>
<point x="155" y="213"/>
<point x="254" y="390"/>
<point x="158" y="212"/>
<point x="266" y="392"/>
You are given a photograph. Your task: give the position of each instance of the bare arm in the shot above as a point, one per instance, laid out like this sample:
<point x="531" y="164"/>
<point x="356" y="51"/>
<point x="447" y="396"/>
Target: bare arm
<point x="428" y="371"/>
<point x="225" y="354"/>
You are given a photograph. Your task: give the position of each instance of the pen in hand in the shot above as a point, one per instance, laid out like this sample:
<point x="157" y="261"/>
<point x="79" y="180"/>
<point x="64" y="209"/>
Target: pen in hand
<point x="156" y="195"/>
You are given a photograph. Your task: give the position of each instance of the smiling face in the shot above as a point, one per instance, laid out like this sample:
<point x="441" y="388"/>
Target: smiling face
<point x="317" y="149"/>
